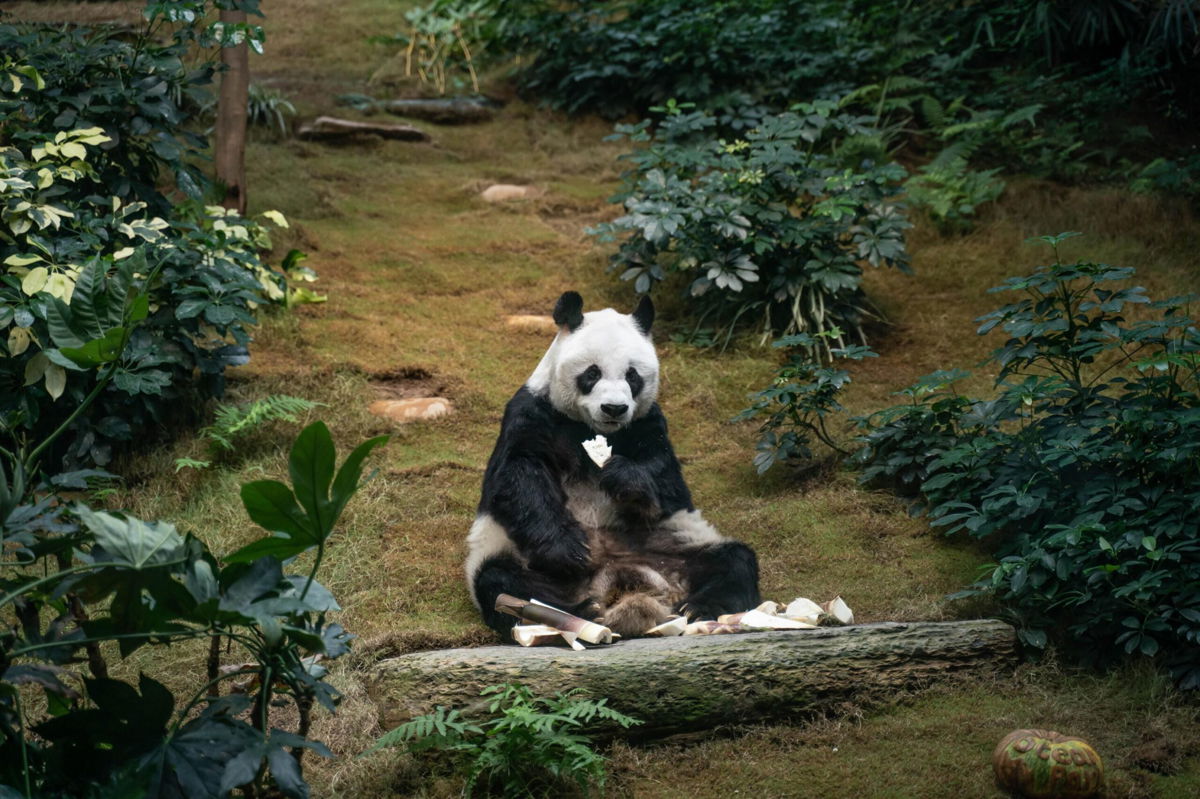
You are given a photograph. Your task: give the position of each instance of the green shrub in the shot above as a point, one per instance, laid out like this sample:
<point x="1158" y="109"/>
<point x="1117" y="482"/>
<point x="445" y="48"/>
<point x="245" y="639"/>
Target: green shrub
<point x="1083" y="470"/>
<point x="619" y="57"/>
<point x="772" y="224"/>
<point x="92" y="132"/>
<point x="951" y="192"/>
<point x="925" y="72"/>
<point x="802" y="395"/>
<point x="531" y="746"/>
<point x="75" y="579"/>
<point x="443" y="44"/>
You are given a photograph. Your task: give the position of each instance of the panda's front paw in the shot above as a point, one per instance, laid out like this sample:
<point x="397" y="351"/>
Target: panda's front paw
<point x="567" y="557"/>
<point x="622" y="480"/>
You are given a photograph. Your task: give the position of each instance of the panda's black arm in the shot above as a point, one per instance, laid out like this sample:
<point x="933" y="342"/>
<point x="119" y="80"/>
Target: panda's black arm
<point x="643" y="473"/>
<point x="522" y="487"/>
<point x="523" y="496"/>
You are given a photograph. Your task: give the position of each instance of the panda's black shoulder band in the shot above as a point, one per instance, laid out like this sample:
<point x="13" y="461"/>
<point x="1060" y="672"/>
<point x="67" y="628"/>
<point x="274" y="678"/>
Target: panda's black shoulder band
<point x="568" y="311"/>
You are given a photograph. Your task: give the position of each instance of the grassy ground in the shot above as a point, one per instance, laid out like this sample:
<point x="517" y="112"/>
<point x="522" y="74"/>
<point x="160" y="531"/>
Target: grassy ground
<point x="420" y="274"/>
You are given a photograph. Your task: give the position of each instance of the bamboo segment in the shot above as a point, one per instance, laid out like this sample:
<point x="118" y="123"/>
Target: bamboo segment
<point x="536" y="612"/>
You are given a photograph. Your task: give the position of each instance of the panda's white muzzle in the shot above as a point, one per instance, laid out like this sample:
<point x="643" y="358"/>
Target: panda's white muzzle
<point x="609" y="406"/>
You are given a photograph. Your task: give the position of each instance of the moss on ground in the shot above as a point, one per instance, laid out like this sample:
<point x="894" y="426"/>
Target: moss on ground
<point x="420" y="274"/>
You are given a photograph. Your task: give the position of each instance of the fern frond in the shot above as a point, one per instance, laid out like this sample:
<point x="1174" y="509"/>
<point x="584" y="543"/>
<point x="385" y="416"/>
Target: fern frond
<point x="231" y="420"/>
<point x="441" y="729"/>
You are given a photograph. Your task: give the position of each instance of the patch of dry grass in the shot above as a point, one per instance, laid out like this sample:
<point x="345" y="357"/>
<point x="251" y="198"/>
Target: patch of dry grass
<point x="420" y="274"/>
<point x="936" y="744"/>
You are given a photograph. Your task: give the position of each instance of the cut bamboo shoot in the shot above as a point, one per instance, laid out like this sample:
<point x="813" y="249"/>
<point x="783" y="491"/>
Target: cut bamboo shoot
<point x="540" y="613"/>
<point x="758" y="620"/>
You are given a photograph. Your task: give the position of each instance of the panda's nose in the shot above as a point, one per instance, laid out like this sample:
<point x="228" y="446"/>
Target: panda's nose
<point x="614" y="410"/>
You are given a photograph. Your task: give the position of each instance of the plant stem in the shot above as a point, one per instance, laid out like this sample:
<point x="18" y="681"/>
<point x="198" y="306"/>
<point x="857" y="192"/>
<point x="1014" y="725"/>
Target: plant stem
<point x="202" y="695"/>
<point x="96" y="662"/>
<point x="31" y="459"/>
<point x="312" y="575"/>
<point x="188" y="632"/>
<point x="24" y="752"/>
<point x="213" y="665"/>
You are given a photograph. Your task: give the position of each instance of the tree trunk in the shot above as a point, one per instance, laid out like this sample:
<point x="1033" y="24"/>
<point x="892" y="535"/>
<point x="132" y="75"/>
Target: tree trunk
<point x="697" y="682"/>
<point x="231" y="118"/>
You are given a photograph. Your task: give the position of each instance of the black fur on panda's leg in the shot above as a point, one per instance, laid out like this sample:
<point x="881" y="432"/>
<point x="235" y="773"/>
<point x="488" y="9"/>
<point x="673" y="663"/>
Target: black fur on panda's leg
<point x="504" y="575"/>
<point x="722" y="578"/>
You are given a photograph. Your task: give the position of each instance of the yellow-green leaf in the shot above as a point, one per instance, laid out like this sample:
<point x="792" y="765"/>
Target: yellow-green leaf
<point x="23" y="260"/>
<point x="61" y="286"/>
<point x="35" y="281"/>
<point x="276" y="217"/>
<point x="45" y="178"/>
<point x="56" y="380"/>
<point x="15" y="83"/>
<point x="90" y="136"/>
<point x="122" y="253"/>
<point x="18" y="341"/>
<point x="36" y="368"/>
<point x="74" y="150"/>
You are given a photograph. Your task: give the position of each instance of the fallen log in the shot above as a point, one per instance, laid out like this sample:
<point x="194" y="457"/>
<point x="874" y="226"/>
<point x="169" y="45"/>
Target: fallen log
<point x="697" y="682"/>
<point x="440" y="110"/>
<point x="332" y="128"/>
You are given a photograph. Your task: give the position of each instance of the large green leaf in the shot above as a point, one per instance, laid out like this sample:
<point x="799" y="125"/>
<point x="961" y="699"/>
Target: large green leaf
<point x="88" y="301"/>
<point x="284" y="768"/>
<point x="60" y="321"/>
<point x="131" y="541"/>
<point x="273" y="506"/>
<point x="105" y="349"/>
<point x="311" y="467"/>
<point x="246" y="585"/>
<point x="346" y="482"/>
<point x="192" y="763"/>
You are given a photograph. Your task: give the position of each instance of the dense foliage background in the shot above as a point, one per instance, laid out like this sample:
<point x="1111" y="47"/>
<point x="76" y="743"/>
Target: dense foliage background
<point x="768" y="156"/>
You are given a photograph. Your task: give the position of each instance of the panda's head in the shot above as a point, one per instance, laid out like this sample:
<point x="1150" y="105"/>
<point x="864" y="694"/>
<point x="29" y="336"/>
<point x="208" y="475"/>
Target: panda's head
<point x="601" y="369"/>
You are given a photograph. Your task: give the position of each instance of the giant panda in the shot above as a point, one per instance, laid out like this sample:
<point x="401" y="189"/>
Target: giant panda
<point x="621" y="544"/>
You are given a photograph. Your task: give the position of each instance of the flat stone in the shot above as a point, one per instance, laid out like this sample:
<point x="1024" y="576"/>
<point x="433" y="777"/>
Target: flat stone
<point x="541" y="324"/>
<point x="503" y="192"/>
<point x="416" y="409"/>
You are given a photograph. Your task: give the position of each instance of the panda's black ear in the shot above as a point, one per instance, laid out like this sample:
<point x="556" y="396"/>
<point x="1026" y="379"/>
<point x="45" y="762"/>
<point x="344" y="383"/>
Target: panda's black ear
<point x="644" y="314"/>
<point x="568" y="311"/>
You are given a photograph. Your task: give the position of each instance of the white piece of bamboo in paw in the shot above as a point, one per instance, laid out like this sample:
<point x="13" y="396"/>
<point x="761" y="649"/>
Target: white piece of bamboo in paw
<point x="598" y="450"/>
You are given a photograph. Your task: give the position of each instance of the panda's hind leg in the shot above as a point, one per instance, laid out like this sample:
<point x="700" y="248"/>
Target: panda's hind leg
<point x="721" y="578"/>
<point x="503" y="574"/>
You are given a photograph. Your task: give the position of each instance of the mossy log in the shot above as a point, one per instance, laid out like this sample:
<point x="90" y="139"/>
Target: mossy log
<point x="698" y="682"/>
<point x="455" y="111"/>
<point x="332" y="128"/>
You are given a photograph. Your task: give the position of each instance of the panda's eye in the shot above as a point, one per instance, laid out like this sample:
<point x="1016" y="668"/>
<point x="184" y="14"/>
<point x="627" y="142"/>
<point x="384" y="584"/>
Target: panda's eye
<point x="635" y="381"/>
<point x="588" y="378"/>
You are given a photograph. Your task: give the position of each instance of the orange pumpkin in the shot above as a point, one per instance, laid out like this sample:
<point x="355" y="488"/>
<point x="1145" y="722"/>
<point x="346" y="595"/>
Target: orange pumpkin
<point x="1041" y="764"/>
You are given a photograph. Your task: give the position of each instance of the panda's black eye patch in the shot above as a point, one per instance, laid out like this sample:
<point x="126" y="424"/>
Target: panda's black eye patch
<point x="635" y="381"/>
<point x="588" y="378"/>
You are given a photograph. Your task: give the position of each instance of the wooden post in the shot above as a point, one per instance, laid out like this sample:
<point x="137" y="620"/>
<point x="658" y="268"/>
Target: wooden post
<point x="231" y="118"/>
<point x="697" y="682"/>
